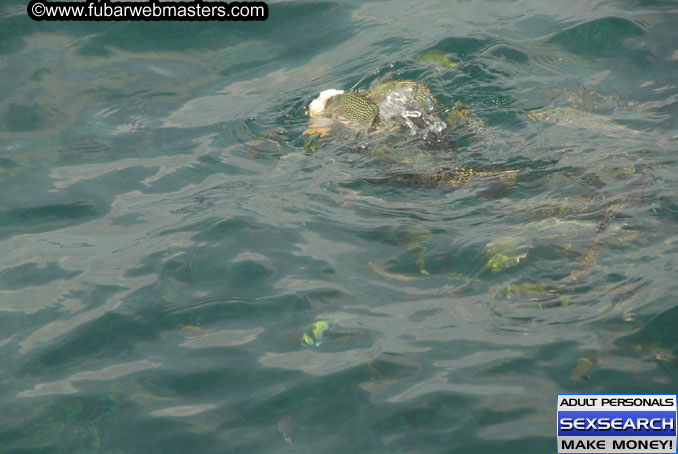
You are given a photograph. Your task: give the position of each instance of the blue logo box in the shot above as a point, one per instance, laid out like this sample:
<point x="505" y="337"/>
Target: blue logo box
<point x="617" y="423"/>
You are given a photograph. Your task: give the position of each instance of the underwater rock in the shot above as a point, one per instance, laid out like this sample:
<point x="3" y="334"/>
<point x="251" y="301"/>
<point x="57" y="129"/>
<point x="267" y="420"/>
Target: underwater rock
<point x="575" y="118"/>
<point x="589" y="100"/>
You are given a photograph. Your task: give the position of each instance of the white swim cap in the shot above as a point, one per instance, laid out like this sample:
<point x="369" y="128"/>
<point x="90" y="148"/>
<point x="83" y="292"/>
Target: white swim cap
<point x="319" y="103"/>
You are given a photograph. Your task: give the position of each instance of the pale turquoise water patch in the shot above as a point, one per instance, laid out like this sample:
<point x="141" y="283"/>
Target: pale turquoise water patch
<point x="166" y="240"/>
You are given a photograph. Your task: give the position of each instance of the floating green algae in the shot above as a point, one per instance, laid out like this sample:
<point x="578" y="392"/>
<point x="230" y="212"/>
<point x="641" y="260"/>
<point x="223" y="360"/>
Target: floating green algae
<point x="503" y="253"/>
<point x="438" y="58"/>
<point x="314" y="336"/>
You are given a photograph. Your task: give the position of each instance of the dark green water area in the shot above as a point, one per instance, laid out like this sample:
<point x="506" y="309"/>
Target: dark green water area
<point x="180" y="272"/>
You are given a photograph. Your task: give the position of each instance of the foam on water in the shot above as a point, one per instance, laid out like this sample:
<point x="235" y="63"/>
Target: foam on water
<point x="400" y="108"/>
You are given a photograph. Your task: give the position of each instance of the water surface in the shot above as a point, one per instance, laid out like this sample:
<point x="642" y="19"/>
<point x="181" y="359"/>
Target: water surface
<point x="166" y="240"/>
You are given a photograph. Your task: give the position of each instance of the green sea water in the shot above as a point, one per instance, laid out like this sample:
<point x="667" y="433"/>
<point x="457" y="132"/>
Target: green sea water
<point x="166" y="240"/>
